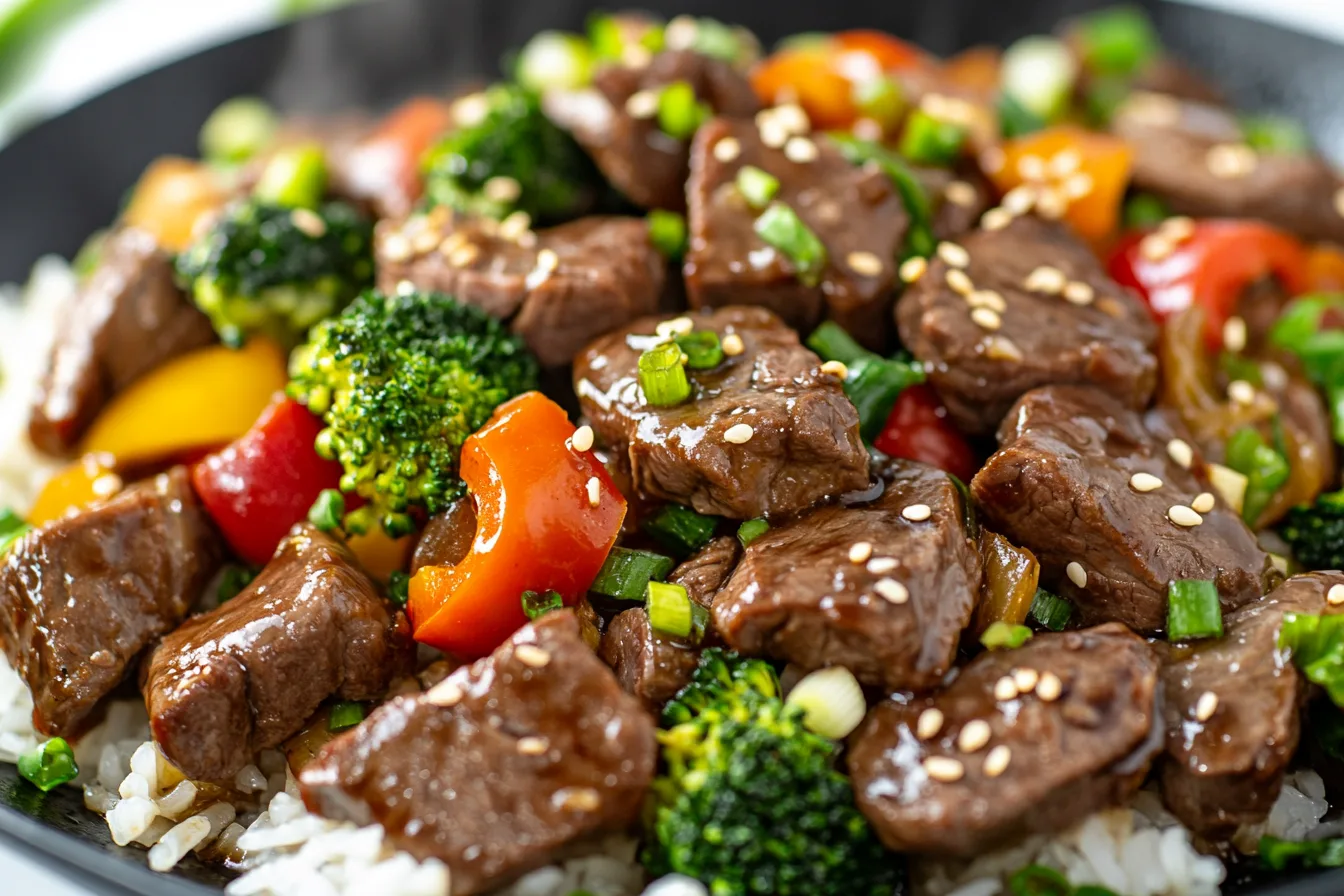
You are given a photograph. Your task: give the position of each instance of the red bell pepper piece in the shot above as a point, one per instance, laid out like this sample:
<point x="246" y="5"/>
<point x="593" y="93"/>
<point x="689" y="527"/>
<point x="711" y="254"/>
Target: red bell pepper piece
<point x="918" y="429"/>
<point x="546" y="517"/>
<point x="387" y="162"/>
<point x="1210" y="268"/>
<point x="258" y="487"/>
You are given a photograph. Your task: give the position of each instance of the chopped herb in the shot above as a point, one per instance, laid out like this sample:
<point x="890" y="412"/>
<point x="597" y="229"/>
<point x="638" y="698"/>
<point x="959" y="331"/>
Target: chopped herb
<point x="537" y="604"/>
<point x="1303" y="330"/>
<point x="398" y="588"/>
<point x="930" y="141"/>
<point x="833" y="343"/>
<point x="667" y="233"/>
<point x="680" y="529"/>
<point x="670" y="609"/>
<point x="662" y="375"/>
<point x="328" y="510"/>
<point x="919" y="239"/>
<point x="751" y="530"/>
<point x="780" y="227"/>
<point x="1316" y="644"/>
<point x="874" y="384"/>
<point x="12" y="528"/>
<point x="1144" y="210"/>
<point x="233" y="580"/>
<point x="1266" y="470"/>
<point x="680" y="112"/>
<point x="1005" y="636"/>
<point x="1118" y="40"/>
<point x="702" y="349"/>
<point x="1279" y="854"/>
<point x="343" y="715"/>
<point x="1193" y="610"/>
<point x="756" y="186"/>
<point x="1275" y="134"/>
<point x="1050" y="611"/>
<point x="627" y="573"/>
<point x="1016" y="120"/>
<point x="50" y="765"/>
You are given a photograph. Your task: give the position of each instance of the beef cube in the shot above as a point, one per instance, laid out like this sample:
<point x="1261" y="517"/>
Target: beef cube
<point x="802" y="434"/>
<point x="1024" y="306"/>
<point x="127" y="318"/>
<point x="855" y="212"/>
<point x="1115" y="506"/>
<point x="1025" y="741"/>
<point x="956" y="199"/>
<point x="883" y="589"/>
<point x="559" y="287"/>
<point x="705" y="572"/>
<point x="81" y="597"/>
<point x="501" y="765"/>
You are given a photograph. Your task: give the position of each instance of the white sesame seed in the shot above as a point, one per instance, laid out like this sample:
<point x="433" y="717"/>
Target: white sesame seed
<point x="996" y="219"/>
<point x="974" y="735"/>
<point x="987" y="298"/>
<point x="532" y="655"/>
<point x="1228" y="161"/>
<point x="986" y="319"/>
<point x="1026" y="680"/>
<point x="727" y="149"/>
<point x="930" y="722"/>
<point x="1241" y="392"/>
<point x="677" y="326"/>
<point x="1079" y="293"/>
<point x="1065" y="162"/>
<point x="582" y="440"/>
<point x="1145" y="482"/>
<point x="800" y="150"/>
<point x="310" y="223"/>
<point x="445" y="693"/>
<point x="860" y="551"/>
<point x="642" y="104"/>
<point x="1339" y="202"/>
<point x="882" y="565"/>
<point x="913" y="268"/>
<point x="953" y="254"/>
<point x="1203" y="503"/>
<point x="865" y="263"/>
<point x="792" y="117"/>
<point x="739" y="433"/>
<point x="1156" y="247"/>
<point x="1154" y="109"/>
<point x="1052" y="204"/>
<point x="1005" y="689"/>
<point x="515" y="225"/>
<point x="996" y="763"/>
<point x="464" y="255"/>
<point x="1335" y="596"/>
<point x="959" y="192"/>
<point x="835" y="368"/>
<point x="733" y="345"/>
<point x="891" y="591"/>
<point x="594" y="491"/>
<point x="943" y="768"/>
<point x="1184" y="516"/>
<point x="1178" y="228"/>
<point x="471" y="109"/>
<point x="1001" y="348"/>
<point x="502" y="189"/>
<point x="1206" y="706"/>
<point x="396" y="247"/>
<point x="581" y="799"/>
<point x="1046" y="279"/>
<point x="1180" y="451"/>
<point x="917" y="512"/>
<point x="547" y="260"/>
<point x="1031" y="167"/>
<point x="1079" y="186"/>
<point x="959" y="282"/>
<point x="773" y="134"/>
<point x="681" y="33"/>
<point x="1077" y="575"/>
<point x="1020" y="199"/>
<point x="533" y="746"/>
<point x="1234" y="334"/>
<point x="992" y="160"/>
<point x="1050" y="687"/>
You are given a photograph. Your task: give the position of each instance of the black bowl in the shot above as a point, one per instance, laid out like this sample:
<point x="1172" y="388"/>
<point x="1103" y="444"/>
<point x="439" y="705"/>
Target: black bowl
<point x="66" y="178"/>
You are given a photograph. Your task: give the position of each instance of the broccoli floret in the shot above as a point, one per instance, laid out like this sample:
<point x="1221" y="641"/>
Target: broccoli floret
<point x="268" y="269"/>
<point x="752" y="801"/>
<point x="513" y="158"/>
<point x="1316" y="532"/>
<point x="400" y="382"/>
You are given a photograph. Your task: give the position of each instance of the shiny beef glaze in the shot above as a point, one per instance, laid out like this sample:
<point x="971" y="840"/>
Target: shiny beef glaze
<point x="81" y="597"/>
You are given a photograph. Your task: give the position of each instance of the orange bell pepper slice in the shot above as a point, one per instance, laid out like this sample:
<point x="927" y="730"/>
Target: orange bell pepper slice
<point x="171" y="200"/>
<point x="1325" y="269"/>
<point x="547" y="516"/>
<point x="87" y="481"/>
<point x="1086" y="171"/>
<point x="805" y="75"/>
<point x="889" y="53"/>
<point x="390" y="156"/>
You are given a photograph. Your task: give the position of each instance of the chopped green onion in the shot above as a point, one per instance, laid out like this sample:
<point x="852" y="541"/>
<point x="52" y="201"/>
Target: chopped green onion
<point x="670" y="609"/>
<point x="880" y="99"/>
<point x="929" y="141"/>
<point x="751" y="530"/>
<point x="780" y="226"/>
<point x="1050" y="611"/>
<point x="831" y="700"/>
<point x="327" y="510"/>
<point x="833" y="343"/>
<point x="1316" y="644"/>
<point x="719" y="41"/>
<point x="662" y="375"/>
<point x="919" y="239"/>
<point x="555" y="60"/>
<point x="1279" y="854"/>
<point x="233" y="580"/>
<point x="1039" y="72"/>
<point x="1015" y="119"/>
<point x="1119" y="40"/>
<point x="1301" y="329"/>
<point x="680" y="113"/>
<point x="667" y="233"/>
<point x="699" y="622"/>
<point x="237" y="130"/>
<point x="627" y="573"/>
<point x="50" y="765"/>
<point x="1275" y="134"/>
<point x="10" y="521"/>
<point x="680" y="529"/>
<point x="1193" y="610"/>
<point x="1144" y="210"/>
<point x="702" y="349"/>
<point x="756" y="186"/>
<point x="345" y="714"/>
<point x="1266" y="470"/>
<point x="537" y="604"/>
<point x="1005" y="636"/>
<point x="11" y="535"/>
<point x="873" y="385"/>
<point x="90" y="254"/>
<point x="610" y="35"/>
<point x="1038" y="880"/>
<point x="295" y="177"/>
<point x="398" y="588"/>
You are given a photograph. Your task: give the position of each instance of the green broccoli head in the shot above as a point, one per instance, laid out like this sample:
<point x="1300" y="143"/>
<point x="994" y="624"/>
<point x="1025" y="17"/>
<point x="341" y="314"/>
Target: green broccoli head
<point x="265" y="268"/>
<point x="752" y="801"/>
<point x="400" y="382"/>
<point x="513" y="158"/>
<point x="1316" y="532"/>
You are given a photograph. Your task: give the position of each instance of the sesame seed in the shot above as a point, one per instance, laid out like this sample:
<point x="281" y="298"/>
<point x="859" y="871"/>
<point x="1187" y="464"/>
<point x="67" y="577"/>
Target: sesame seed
<point x="891" y="591"/>
<point x="1026" y="680"/>
<point x="681" y="33"/>
<point x="959" y="192"/>
<point x="960" y="283"/>
<point x="532" y="655"/>
<point x="1052" y="204"/>
<point x="1005" y="689"/>
<point x="733" y="345"/>
<point x="1019" y="200"/>
<point x="642" y="104"/>
<point x="1241" y="392"/>
<point x="547" y="260"/>
<point x="1001" y="348"/>
<point x="800" y="150"/>
<point x="502" y="189"/>
<point x="773" y="134"/>
<point x="727" y="149"/>
<point x="953" y="254"/>
<point x="943" y="768"/>
<point x="310" y="223"/>
<point x="1234" y="334"/>
<point x="594" y="487"/>
<point x="396" y="247"/>
<point x="1145" y="482"/>
<point x="917" y="512"/>
<point x="677" y="326"/>
<point x="464" y="255"/>
<point x="1046" y="279"/>
<point x="515" y="225"/>
<point x="1203" y="503"/>
<point x="1155" y="109"/>
<point x="1339" y="202"/>
<point x="1185" y="516"/>
<point x="1079" y="293"/>
<point x="1050" y="687"/>
<point x="1065" y="162"/>
<point x="1031" y="167"/>
<point x="582" y="440"/>
<point x="987" y="298"/>
<point x="930" y="722"/>
<point x="997" y="761"/>
<point x="445" y="693"/>
<point x="1180" y="451"/>
<point x="1206" y="706"/>
<point x="739" y="433"/>
<point x="452" y="242"/>
<point x="992" y="160"/>
<point x="471" y="110"/>
<point x="913" y="268"/>
<point x="836" y="369"/>
<point x="424" y="241"/>
<point x="986" y="319"/>
<point x="865" y="263"/>
<point x="883" y="565"/>
<point x="996" y="219"/>
<point x="860" y="551"/>
<point x="1178" y="229"/>
<point x="1228" y="161"/>
<point x="580" y="799"/>
<point x="974" y="735"/>
<point x="793" y="118"/>
<point x="1077" y="575"/>
<point x="1156" y="247"/>
<point x="1335" y="596"/>
<point x="1078" y="186"/>
<point x="533" y="746"/>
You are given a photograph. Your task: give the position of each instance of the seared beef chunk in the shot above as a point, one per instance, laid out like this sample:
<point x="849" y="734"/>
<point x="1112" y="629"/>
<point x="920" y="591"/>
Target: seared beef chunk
<point x="957" y="201"/>
<point x="1025" y="741"/>
<point x="82" y="596"/>
<point x="1024" y="325"/>
<point x="446" y="539"/>
<point x="883" y="589"/>
<point x="501" y="765"/>
<point x="1231" y="707"/>
<point x="1063" y="485"/>
<point x="622" y="134"/>
<point x="855" y="212"/>
<point x="803" y="444"/>
<point x="127" y="318"/>
<point x="1192" y="155"/>
<point x="248" y="674"/>
<point x="705" y="572"/>
<point x="560" y="287"/>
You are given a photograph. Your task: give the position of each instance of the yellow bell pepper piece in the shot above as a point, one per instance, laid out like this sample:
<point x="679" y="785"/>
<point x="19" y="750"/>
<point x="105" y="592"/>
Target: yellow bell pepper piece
<point x="380" y="554"/>
<point x="171" y="198"/>
<point x="84" y="482"/>
<point x="205" y="398"/>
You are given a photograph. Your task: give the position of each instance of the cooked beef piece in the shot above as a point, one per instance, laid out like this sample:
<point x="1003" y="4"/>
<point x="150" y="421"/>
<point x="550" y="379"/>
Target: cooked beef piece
<point x="1063" y="486"/>
<point x="1029" y="741"/>
<point x="1169" y="75"/>
<point x="705" y="572"/>
<point x="803" y="445"/>
<point x="892" y="613"/>
<point x="648" y="663"/>
<point x="127" y="318"/>
<point x="560" y="287"/>
<point x="248" y="674"/>
<point x="1231" y="707"/>
<point x="1016" y="332"/>
<point x="82" y="596"/>
<point x="1192" y="155"/>
<point x="501" y="765"/>
<point x="957" y="200"/>
<point x="622" y="134"/>
<point x="446" y="539"/>
<point x="855" y="212"/>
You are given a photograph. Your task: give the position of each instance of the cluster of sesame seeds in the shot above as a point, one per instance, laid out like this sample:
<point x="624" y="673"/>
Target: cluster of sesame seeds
<point x="1077" y="575"/>
<point x="1206" y="706"/>
<point x="781" y="125"/>
<point x="1049" y="186"/>
<point x="1335" y="596"/>
<point x="986" y="305"/>
<point x="739" y="433"/>
<point x="1051" y="281"/>
<point x="1231" y="161"/>
<point x="1165" y="239"/>
<point x="422" y="234"/>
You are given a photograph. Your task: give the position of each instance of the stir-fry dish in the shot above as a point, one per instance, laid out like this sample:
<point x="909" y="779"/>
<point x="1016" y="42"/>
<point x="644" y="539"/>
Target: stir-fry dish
<point x="685" y="467"/>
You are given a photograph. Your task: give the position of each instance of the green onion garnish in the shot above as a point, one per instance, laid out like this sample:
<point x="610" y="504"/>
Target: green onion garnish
<point x="667" y="233"/>
<point x="295" y="177"/>
<point x="1144" y="210"/>
<point x="1266" y="470"/>
<point x="919" y="239"/>
<point x="398" y="588"/>
<point x="873" y="385"/>
<point x="1038" y="880"/>
<point x="1050" y="611"/>
<point x="680" y="113"/>
<point x="1279" y="854"/>
<point x="699" y="622"/>
<point x="1104" y="95"/>
<point x="1316" y="644"/>
<point x="537" y="604"/>
<point x="343" y="715"/>
<point x="680" y="529"/>
<point x="1301" y="330"/>
<point x="237" y="130"/>
<point x="50" y="765"/>
<point x="670" y="609"/>
<point x="832" y="701"/>
<point x="758" y="187"/>
<point x="930" y="141"/>
<point x="327" y="510"/>
<point x="1193" y="610"/>
<point x="1004" y="635"/>
<point x="702" y="349"/>
<point x="627" y="573"/>
<point x="662" y="375"/>
<point x="880" y="99"/>
<point x="1118" y="40"/>
<point x="719" y="41"/>
<point x="833" y="343"/>
<point x="751" y="530"/>
<point x="555" y="59"/>
<point x="1015" y="119"/>
<point x="1275" y="134"/>
<point x="1038" y="72"/>
<point x="233" y="580"/>
<point x="780" y="226"/>
<point x="12" y="528"/>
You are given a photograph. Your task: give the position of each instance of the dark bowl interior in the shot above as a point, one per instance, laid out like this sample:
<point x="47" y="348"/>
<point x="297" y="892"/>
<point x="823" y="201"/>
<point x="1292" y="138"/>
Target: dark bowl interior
<point x="66" y="178"/>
